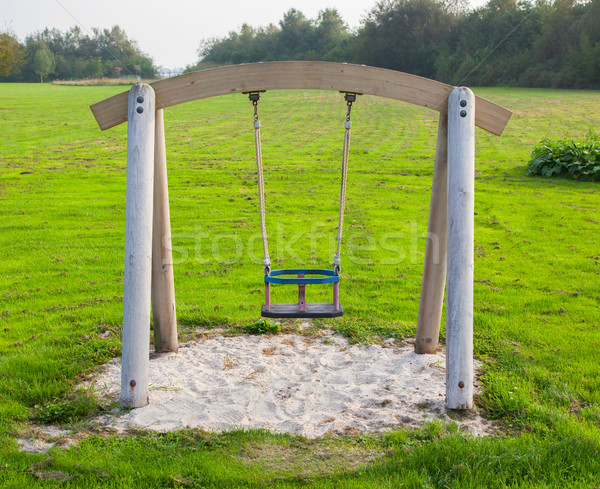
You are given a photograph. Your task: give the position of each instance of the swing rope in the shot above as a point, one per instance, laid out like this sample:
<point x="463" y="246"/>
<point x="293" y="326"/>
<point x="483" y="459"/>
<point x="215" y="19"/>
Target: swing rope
<point x="254" y="98"/>
<point x="350" y="98"/>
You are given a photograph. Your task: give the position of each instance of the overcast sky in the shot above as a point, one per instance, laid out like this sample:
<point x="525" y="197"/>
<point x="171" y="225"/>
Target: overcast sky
<point x="169" y="31"/>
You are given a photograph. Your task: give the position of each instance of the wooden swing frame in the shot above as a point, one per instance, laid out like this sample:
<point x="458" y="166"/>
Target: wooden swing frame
<point x="148" y="278"/>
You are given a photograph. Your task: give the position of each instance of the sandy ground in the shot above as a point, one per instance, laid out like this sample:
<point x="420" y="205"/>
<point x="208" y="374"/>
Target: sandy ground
<point x="40" y="439"/>
<point x="292" y="384"/>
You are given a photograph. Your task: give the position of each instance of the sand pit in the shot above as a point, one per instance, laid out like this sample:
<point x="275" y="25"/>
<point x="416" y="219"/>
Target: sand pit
<point x="292" y="384"/>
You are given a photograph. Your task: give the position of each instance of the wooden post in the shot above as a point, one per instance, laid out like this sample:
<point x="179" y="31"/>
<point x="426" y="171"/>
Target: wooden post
<point x="163" y="287"/>
<point x="434" y="268"/>
<point x="461" y="206"/>
<point x="138" y="246"/>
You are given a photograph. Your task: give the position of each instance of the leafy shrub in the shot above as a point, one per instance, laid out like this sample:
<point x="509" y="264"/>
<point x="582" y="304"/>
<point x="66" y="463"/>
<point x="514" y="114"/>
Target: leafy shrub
<point x="262" y="326"/>
<point x="580" y="160"/>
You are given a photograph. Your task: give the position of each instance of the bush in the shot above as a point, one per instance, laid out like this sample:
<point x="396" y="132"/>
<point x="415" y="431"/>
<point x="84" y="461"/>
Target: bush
<point x="580" y="160"/>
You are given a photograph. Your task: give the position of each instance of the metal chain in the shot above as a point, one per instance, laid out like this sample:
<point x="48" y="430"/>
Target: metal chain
<point x="254" y="98"/>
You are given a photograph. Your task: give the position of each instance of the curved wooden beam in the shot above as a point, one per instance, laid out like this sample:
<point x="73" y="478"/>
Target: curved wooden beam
<point x="317" y="75"/>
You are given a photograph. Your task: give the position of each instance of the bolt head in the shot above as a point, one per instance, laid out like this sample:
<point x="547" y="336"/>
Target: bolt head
<point x="140" y="100"/>
<point x="463" y="113"/>
<point x="461" y="384"/>
<point x="463" y="103"/>
<point x="140" y="110"/>
<point x="132" y="383"/>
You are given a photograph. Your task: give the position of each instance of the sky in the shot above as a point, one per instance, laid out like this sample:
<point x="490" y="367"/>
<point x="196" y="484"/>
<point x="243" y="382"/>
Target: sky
<point x="170" y="31"/>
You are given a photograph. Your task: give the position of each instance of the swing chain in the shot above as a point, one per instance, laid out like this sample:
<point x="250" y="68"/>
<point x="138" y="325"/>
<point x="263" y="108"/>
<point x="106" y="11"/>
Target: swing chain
<point x="350" y="98"/>
<point x="254" y="98"/>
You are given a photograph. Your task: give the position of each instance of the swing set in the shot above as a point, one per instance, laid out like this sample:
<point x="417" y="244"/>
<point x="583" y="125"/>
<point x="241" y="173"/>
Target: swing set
<point x="302" y="309"/>
<point x="449" y="254"/>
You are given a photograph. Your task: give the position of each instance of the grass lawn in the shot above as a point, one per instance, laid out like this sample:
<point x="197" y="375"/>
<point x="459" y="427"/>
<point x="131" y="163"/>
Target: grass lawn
<point x="537" y="282"/>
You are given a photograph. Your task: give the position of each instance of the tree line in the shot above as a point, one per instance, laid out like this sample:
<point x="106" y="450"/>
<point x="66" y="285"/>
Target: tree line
<point x="72" y="55"/>
<point x="550" y="43"/>
<point x="505" y="42"/>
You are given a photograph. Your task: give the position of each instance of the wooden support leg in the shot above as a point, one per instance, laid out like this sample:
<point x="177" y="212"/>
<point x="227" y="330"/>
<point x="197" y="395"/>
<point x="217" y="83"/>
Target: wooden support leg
<point x="163" y="287"/>
<point x="138" y="246"/>
<point x="434" y="268"/>
<point x="461" y="206"/>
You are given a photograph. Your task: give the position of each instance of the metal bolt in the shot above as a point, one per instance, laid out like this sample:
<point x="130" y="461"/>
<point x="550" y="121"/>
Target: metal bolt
<point x="141" y="109"/>
<point x="461" y="384"/>
<point x="463" y="113"/>
<point x="463" y="103"/>
<point x="132" y="383"/>
<point x="140" y="100"/>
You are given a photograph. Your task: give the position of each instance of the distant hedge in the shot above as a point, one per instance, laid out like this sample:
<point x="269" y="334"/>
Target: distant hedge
<point x="579" y="160"/>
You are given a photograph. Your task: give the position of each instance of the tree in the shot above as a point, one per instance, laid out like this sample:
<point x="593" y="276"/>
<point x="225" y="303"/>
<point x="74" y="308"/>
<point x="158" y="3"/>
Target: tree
<point x="93" y="67"/>
<point x="11" y="54"/>
<point x="43" y="62"/>
<point x="295" y="38"/>
<point x="78" y="55"/>
<point x="332" y="34"/>
<point x="297" y="35"/>
<point x="406" y="35"/>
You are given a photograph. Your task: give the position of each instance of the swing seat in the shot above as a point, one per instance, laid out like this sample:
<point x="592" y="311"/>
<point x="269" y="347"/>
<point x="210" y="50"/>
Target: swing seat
<point x="290" y="310"/>
<point x="302" y="309"/>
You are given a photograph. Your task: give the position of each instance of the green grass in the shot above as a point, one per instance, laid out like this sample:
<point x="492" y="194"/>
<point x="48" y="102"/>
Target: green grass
<point x="537" y="292"/>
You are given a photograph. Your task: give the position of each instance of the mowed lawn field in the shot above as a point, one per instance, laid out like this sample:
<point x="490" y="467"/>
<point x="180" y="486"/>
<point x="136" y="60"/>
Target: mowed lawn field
<point x="537" y="282"/>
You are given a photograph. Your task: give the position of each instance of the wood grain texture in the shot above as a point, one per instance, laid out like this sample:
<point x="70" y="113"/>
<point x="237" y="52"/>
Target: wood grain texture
<point x="163" y="288"/>
<point x="306" y="75"/>
<point x="460" y="235"/>
<point x="138" y="247"/>
<point x="434" y="267"/>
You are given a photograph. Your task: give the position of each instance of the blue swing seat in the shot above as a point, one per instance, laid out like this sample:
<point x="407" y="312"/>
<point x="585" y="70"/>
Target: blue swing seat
<point x="302" y="309"/>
